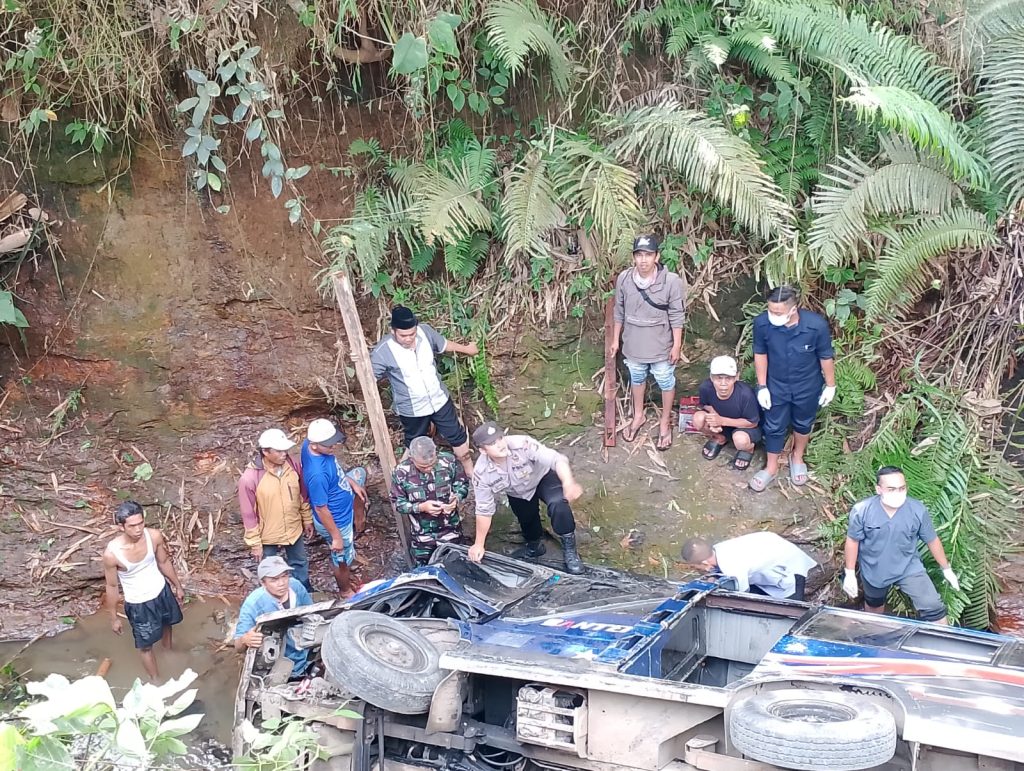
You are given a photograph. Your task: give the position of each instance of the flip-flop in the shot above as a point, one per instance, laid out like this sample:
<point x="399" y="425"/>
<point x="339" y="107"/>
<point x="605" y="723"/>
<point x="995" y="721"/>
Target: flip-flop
<point x="711" y="449"/>
<point x="662" y="445"/>
<point x="798" y="470"/>
<point x="760" y="481"/>
<point x="743" y="457"/>
<point x="632" y="437"/>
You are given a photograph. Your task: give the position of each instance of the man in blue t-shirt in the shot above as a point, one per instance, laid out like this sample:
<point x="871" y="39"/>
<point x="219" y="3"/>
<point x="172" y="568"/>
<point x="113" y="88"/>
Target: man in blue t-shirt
<point x="277" y="591"/>
<point x="338" y="497"/>
<point x="728" y="412"/>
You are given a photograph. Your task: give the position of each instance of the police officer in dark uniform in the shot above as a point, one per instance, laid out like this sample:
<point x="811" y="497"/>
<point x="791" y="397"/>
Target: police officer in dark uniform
<point x="796" y="374"/>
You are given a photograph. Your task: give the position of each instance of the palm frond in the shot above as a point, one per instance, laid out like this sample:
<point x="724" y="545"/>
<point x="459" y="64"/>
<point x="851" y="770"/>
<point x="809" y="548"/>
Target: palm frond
<point x="862" y="51"/>
<point x="517" y="28"/>
<point x="709" y="157"/>
<point x="902" y="271"/>
<point x="595" y="188"/>
<point x="445" y="204"/>
<point x="529" y="209"/>
<point x="854" y="191"/>
<point x="362" y="241"/>
<point x="928" y="127"/>
<point x="1001" y="97"/>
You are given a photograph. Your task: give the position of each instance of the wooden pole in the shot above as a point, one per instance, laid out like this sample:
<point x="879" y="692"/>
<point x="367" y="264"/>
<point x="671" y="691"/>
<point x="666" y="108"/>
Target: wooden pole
<point x="610" y="374"/>
<point x="371" y="396"/>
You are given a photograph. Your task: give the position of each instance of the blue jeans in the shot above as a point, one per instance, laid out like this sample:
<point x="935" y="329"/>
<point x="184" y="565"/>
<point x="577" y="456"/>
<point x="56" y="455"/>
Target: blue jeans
<point x="296" y="557"/>
<point x="664" y="373"/>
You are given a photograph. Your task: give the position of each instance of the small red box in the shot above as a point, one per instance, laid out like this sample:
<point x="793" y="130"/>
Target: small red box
<point x="687" y="406"/>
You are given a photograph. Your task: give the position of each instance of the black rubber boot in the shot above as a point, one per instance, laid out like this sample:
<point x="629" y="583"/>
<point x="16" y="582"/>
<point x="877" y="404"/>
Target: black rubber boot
<point x="532" y="550"/>
<point x="573" y="563"/>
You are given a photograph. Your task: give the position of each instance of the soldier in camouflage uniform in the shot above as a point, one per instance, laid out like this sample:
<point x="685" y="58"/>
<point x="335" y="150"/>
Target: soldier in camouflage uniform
<point x="427" y="488"/>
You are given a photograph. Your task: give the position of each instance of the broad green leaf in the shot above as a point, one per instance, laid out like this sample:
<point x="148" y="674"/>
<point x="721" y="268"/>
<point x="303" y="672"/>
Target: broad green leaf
<point x="239" y="113"/>
<point x="187" y="104"/>
<point x="276" y="186"/>
<point x="410" y="55"/>
<point x="8" y="313"/>
<point x="349" y="713"/>
<point x="213" y="181"/>
<point x="190" y="146"/>
<point x="255" y="129"/>
<point x="196" y="76"/>
<point x="442" y="37"/>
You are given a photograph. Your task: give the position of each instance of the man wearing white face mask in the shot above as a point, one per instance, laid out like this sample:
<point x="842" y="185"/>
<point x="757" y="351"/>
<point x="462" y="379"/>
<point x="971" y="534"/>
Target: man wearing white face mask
<point x="796" y="374"/>
<point x="882" y="537"/>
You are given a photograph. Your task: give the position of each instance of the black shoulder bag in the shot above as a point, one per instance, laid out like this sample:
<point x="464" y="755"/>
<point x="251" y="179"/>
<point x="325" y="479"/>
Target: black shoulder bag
<point x="647" y="298"/>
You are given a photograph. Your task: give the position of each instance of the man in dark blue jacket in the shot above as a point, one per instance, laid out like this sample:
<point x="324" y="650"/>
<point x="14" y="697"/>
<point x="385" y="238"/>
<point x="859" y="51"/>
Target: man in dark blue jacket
<point x="796" y="374"/>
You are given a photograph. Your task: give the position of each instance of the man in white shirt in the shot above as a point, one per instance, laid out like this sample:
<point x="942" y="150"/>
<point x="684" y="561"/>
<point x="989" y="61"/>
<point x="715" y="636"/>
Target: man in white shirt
<point x="762" y="563"/>
<point x="406" y="357"/>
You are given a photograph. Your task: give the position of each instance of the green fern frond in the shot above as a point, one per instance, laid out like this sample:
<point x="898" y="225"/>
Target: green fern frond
<point x="362" y="242"/>
<point x="862" y="51"/>
<point x="1001" y="97"/>
<point x="986" y="20"/>
<point x="444" y="206"/>
<point x="688" y="25"/>
<point x="931" y="129"/>
<point x="767" y="64"/>
<point x="517" y="28"/>
<point x="529" y="209"/>
<point x="594" y="187"/>
<point x="901" y="273"/>
<point x="464" y="257"/>
<point x="671" y="14"/>
<point x="710" y="158"/>
<point x="854" y="191"/>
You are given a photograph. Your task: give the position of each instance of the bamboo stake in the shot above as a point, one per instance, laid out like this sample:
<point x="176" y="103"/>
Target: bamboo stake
<point x="610" y="384"/>
<point x="371" y="397"/>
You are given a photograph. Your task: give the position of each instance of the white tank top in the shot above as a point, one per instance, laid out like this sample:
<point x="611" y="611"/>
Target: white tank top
<point x="141" y="581"/>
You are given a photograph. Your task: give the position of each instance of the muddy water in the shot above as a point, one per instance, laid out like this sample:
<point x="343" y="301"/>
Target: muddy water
<point x="197" y="645"/>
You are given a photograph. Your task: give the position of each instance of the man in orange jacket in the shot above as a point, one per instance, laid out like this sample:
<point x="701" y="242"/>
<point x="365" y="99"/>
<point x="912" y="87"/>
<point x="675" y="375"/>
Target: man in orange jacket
<point x="274" y="505"/>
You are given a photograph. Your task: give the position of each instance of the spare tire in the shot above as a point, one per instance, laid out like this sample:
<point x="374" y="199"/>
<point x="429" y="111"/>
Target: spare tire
<point x="813" y="730"/>
<point x="382" y="661"/>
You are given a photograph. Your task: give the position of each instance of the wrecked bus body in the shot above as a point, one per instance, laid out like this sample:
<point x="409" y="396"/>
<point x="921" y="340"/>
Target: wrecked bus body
<point x="505" y="666"/>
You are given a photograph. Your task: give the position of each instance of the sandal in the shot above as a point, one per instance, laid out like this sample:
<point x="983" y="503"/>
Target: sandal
<point x="798" y="474"/>
<point x="760" y="481"/>
<point x="711" y="449"/>
<point x="631" y="437"/>
<point x="664" y="441"/>
<point x="742" y="460"/>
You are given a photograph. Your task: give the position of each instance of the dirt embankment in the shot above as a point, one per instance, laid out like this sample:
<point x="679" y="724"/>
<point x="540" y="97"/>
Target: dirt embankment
<point x="180" y="334"/>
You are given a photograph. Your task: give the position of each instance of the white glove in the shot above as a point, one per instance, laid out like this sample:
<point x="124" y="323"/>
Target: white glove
<point x="764" y="398"/>
<point x="951" y="578"/>
<point x="850" y="583"/>
<point x="828" y="393"/>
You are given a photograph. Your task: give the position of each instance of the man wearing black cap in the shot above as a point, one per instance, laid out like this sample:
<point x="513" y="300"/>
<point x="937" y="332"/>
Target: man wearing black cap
<point x="419" y="397"/>
<point x="649" y="315"/>
<point x="528" y="473"/>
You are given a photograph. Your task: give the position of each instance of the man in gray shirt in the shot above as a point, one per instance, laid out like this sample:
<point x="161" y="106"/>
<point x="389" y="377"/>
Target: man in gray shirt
<point x="528" y="472"/>
<point x="419" y="397"/>
<point x="649" y="316"/>
<point x="882" y="537"/>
